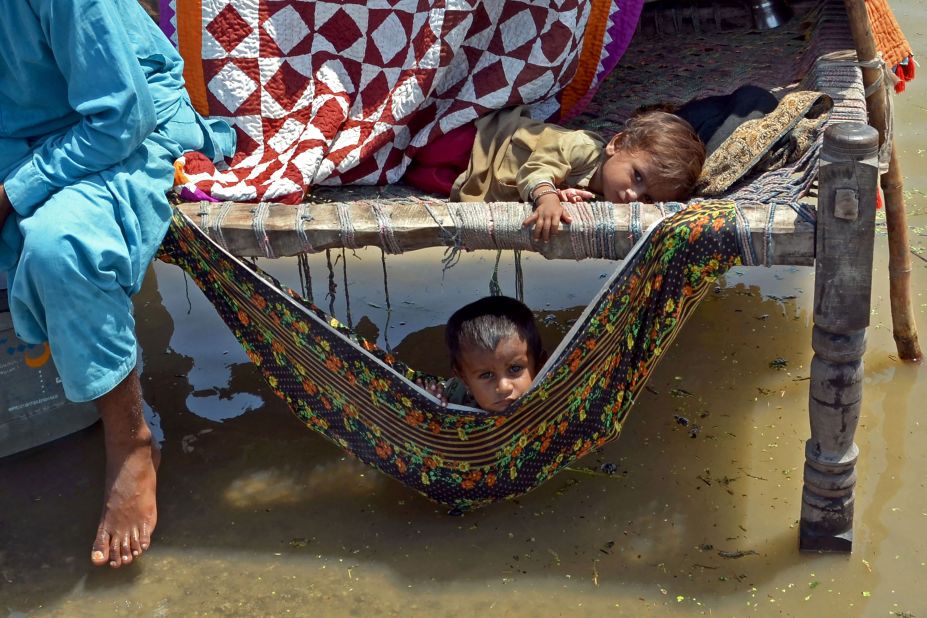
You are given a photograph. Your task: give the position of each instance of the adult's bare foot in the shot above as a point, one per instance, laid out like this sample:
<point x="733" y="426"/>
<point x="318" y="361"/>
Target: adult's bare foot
<point x="129" y="504"/>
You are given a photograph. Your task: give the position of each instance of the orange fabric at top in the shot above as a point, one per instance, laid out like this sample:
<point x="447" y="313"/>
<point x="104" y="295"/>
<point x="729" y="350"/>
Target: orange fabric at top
<point x="889" y="38"/>
<point x="593" y="40"/>
<point x="190" y="42"/>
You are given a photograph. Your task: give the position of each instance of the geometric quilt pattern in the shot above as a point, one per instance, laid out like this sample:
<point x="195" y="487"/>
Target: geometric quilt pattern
<point x="344" y="92"/>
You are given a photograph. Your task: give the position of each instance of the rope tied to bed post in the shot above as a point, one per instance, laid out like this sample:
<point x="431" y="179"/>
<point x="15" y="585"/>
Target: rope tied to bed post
<point x="302" y="218"/>
<point x="581" y="217"/>
<point x="634" y="221"/>
<point x="502" y="229"/>
<point x="840" y="79"/>
<point x="388" y="240"/>
<point x="593" y="230"/>
<point x="744" y="240"/>
<point x="452" y="253"/>
<point x="507" y="229"/>
<point x="215" y="230"/>
<point x="203" y="213"/>
<point x="258" y="221"/>
<point x="347" y="225"/>
<point x="886" y="81"/>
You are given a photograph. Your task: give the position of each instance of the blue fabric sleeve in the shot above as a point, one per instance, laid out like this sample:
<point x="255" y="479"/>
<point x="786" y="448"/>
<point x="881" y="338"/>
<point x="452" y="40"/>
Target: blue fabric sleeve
<point x="106" y="87"/>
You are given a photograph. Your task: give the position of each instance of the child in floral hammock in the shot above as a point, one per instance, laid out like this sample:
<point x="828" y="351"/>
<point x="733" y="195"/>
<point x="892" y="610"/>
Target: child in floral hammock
<point x="496" y="352"/>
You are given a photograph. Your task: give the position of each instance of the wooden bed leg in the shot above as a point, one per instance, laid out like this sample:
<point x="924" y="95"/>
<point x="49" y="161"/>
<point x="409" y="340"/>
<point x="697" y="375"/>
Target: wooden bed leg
<point x="899" y="263"/>
<point x="842" y="286"/>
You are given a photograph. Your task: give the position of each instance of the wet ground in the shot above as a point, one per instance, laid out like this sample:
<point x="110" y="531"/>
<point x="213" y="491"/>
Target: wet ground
<point x="260" y="516"/>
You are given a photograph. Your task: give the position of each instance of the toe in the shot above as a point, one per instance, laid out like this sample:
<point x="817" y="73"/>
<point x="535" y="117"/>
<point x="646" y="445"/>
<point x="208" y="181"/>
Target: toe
<point x="144" y="538"/>
<point x="125" y="550"/>
<point x="99" y="554"/>
<point x="115" y="554"/>
<point x="135" y="543"/>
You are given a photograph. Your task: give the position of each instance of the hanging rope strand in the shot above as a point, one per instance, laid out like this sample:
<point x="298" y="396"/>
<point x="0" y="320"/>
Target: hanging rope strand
<point x="347" y="296"/>
<point x="305" y="276"/>
<point x="389" y="307"/>
<point x="332" y="286"/>
<point x="494" y="288"/>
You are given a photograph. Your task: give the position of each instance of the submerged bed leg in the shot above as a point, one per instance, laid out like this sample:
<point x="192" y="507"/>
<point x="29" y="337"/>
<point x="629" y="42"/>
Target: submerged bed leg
<point x="842" y="286"/>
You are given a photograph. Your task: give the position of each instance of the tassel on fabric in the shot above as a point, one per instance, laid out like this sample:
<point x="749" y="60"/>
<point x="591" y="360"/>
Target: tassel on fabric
<point x="905" y="72"/>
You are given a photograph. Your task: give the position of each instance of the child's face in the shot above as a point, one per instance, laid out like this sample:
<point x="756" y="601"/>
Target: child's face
<point x="499" y="377"/>
<point x="630" y="176"/>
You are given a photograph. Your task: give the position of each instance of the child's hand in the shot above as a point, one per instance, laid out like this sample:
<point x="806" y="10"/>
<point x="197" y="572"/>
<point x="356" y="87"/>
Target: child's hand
<point x="547" y="217"/>
<point x="435" y="388"/>
<point x="573" y="195"/>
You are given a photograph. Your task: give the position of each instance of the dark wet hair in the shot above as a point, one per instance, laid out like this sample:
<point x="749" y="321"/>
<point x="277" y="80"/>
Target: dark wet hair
<point x="486" y="322"/>
<point x="673" y="145"/>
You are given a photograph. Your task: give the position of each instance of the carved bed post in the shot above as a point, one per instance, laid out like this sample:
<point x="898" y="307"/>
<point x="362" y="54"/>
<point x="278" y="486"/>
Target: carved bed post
<point x="848" y="178"/>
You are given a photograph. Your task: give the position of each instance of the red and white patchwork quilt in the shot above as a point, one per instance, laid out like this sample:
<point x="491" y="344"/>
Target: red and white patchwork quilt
<point x="345" y="92"/>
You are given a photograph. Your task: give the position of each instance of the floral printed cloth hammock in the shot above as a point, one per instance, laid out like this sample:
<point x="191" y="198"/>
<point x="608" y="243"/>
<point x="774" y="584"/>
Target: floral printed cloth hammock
<point x="345" y="92"/>
<point x="367" y="402"/>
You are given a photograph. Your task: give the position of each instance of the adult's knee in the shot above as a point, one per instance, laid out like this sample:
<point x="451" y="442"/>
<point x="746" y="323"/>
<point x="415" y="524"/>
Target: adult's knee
<point x="49" y="252"/>
<point x="73" y="238"/>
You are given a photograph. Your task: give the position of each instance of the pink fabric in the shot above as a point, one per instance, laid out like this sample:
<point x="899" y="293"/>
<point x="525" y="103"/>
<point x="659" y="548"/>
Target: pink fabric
<point x="436" y="166"/>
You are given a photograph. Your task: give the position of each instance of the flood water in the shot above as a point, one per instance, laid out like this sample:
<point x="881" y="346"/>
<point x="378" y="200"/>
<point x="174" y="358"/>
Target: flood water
<point x="260" y="516"/>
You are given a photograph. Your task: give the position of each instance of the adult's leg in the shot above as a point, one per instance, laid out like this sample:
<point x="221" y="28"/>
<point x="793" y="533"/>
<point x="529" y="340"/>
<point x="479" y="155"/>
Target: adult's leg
<point x="84" y="253"/>
<point x="129" y="510"/>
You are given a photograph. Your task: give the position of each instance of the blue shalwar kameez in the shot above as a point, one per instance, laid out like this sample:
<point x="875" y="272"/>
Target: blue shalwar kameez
<point x="92" y="116"/>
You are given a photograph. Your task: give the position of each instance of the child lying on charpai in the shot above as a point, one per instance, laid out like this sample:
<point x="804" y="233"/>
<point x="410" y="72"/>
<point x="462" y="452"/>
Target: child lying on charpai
<point x="508" y="157"/>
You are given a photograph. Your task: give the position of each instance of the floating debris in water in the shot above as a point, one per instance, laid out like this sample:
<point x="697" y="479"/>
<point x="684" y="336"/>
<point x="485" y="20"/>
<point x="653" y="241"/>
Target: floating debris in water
<point x="608" y="468"/>
<point x="740" y="553"/>
<point x="778" y="363"/>
<point x="681" y="420"/>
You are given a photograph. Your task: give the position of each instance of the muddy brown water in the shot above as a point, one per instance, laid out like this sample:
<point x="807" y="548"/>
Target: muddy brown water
<point x="260" y="516"/>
